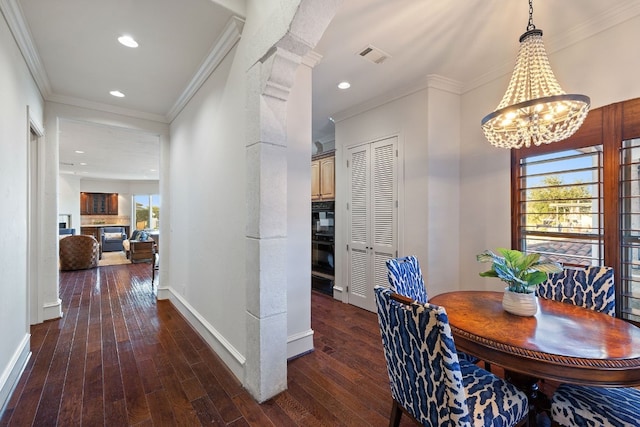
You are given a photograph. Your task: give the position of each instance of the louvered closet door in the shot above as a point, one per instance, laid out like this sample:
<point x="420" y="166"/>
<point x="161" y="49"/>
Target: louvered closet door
<point x="372" y="217"/>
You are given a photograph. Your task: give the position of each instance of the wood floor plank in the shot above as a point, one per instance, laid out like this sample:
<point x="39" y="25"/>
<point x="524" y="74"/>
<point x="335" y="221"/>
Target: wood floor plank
<point x="134" y="393"/>
<point x="160" y="406"/>
<point x="92" y="399"/>
<point x="224" y="404"/>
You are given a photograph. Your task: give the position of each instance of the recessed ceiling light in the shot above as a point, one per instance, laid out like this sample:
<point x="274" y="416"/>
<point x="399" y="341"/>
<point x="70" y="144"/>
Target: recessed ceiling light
<point x="117" y="93"/>
<point x="83" y="164"/>
<point x="344" y="85"/>
<point x="152" y="170"/>
<point x="128" y="41"/>
<point x="79" y="152"/>
<point x="331" y="119"/>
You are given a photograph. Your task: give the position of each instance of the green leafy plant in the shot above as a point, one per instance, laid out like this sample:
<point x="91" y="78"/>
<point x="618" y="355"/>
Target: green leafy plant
<point x="519" y="270"/>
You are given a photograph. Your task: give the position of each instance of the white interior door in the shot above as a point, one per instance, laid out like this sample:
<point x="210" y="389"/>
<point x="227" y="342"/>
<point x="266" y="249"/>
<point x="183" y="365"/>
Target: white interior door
<point x="372" y="213"/>
<point x="359" y="224"/>
<point x="384" y="197"/>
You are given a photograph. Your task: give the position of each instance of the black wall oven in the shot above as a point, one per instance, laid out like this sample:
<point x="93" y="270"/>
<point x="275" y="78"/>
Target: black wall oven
<point x="322" y="246"/>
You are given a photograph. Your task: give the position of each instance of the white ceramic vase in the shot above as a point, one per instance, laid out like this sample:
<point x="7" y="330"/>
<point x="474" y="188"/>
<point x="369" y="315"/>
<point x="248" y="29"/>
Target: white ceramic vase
<point x="520" y="304"/>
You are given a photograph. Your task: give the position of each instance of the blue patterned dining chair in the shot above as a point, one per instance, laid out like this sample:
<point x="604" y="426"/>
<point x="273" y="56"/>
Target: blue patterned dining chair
<point x="574" y="405"/>
<point x="427" y="380"/>
<point x="590" y="287"/>
<point x="586" y="406"/>
<point x="405" y="278"/>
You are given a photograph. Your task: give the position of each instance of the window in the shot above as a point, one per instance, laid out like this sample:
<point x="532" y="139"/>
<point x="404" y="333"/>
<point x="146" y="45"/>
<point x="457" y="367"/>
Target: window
<point x="578" y="201"/>
<point x="147" y="213"/>
<point x="630" y="229"/>
<point x="561" y="204"/>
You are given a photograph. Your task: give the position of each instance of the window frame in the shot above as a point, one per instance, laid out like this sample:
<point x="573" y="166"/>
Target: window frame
<point x="149" y="206"/>
<point x="608" y="126"/>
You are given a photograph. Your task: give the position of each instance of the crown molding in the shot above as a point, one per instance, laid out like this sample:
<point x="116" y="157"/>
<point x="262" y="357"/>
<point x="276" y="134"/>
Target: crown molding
<point x="227" y="40"/>
<point x="237" y="7"/>
<point x="107" y="108"/>
<point x="311" y="59"/>
<point x="17" y="25"/>
<point x="605" y="21"/>
<point x="431" y="81"/>
<point x="446" y="84"/>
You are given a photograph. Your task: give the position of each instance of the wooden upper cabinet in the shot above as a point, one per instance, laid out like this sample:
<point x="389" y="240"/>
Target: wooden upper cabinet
<point x="84" y="204"/>
<point x="327" y="178"/>
<point x="98" y="203"/>
<point x="112" y="204"/>
<point x="323" y="179"/>
<point x="315" y="180"/>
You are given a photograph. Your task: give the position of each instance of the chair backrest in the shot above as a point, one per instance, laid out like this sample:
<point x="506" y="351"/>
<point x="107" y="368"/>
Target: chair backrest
<point x="590" y="287"/>
<point x="79" y="252"/>
<point x="113" y="230"/>
<point x="422" y="363"/>
<point x="405" y="278"/>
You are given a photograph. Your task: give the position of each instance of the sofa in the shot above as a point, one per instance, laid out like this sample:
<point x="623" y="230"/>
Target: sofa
<point x="64" y="232"/>
<point x="79" y="252"/>
<point x="111" y="239"/>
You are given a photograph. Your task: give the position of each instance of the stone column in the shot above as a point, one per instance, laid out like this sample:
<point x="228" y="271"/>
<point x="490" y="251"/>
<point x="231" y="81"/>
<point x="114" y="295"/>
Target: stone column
<point x="269" y="83"/>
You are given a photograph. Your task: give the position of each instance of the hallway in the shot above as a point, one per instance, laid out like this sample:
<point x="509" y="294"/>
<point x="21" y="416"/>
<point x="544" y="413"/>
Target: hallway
<point x="118" y="357"/>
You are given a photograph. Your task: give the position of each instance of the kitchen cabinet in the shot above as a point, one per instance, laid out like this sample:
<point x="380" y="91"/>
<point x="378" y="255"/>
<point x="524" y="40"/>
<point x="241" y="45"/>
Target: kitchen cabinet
<point x="323" y="178"/>
<point x="98" y="203"/>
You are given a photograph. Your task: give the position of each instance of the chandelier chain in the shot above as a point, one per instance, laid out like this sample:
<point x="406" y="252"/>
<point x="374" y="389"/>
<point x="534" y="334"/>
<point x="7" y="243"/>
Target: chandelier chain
<point x="530" y="26"/>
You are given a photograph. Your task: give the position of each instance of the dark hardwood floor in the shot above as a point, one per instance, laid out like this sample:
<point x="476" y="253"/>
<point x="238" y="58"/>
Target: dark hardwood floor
<point x="118" y="357"/>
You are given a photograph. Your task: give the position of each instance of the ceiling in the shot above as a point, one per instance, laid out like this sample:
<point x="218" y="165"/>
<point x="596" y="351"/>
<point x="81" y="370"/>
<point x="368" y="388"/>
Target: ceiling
<point x="79" y="60"/>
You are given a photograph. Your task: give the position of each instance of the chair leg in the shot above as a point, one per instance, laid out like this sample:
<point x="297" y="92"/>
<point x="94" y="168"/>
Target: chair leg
<point x="153" y="270"/>
<point x="396" y="414"/>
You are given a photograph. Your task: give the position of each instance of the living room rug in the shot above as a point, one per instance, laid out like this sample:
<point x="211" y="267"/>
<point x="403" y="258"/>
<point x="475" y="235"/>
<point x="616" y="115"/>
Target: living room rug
<point x="113" y="258"/>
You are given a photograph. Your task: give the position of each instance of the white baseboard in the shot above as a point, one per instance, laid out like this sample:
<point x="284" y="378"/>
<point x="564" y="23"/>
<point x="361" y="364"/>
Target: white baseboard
<point x="52" y="310"/>
<point x="14" y="369"/>
<point x="337" y="292"/>
<point x="299" y="344"/>
<point x="234" y="360"/>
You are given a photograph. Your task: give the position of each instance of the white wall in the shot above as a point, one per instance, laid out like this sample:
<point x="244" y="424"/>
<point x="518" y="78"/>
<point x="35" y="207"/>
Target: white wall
<point x="604" y="67"/>
<point x="69" y="199"/>
<point x="427" y="125"/>
<point x="208" y="212"/>
<point x="18" y="91"/>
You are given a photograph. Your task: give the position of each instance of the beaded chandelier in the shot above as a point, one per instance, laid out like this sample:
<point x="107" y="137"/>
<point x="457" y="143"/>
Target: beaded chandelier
<point x="534" y="110"/>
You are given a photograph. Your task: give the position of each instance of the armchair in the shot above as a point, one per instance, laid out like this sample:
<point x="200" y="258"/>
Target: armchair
<point x="578" y="405"/>
<point x="79" y="252"/>
<point x="112" y="238"/>
<point x="405" y="278"/>
<point x="428" y="381"/>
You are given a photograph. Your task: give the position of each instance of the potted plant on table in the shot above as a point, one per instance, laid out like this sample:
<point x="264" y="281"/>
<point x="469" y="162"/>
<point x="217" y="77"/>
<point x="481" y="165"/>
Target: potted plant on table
<point x="521" y="272"/>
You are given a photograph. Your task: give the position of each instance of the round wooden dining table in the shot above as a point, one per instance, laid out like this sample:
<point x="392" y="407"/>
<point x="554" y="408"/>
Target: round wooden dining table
<point x="562" y="342"/>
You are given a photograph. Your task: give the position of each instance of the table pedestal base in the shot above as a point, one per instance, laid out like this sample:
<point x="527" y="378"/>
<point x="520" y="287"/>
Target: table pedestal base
<point x="539" y="403"/>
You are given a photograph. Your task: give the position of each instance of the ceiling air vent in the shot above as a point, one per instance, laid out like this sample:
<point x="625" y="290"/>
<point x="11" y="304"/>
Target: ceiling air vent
<point x="373" y="54"/>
